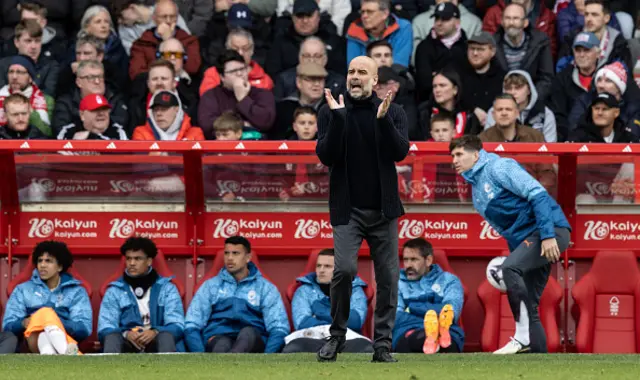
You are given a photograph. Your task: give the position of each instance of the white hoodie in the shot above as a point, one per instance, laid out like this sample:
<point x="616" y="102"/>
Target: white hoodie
<point x="171" y="134"/>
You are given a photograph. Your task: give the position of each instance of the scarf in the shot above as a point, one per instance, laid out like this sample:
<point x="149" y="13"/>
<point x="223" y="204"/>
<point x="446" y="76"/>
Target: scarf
<point x="140" y="284"/>
<point x="36" y="99"/>
<point x="448" y="41"/>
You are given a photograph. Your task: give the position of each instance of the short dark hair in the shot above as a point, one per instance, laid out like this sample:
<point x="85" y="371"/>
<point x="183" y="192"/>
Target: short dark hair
<point x="327" y="252"/>
<point x="442" y="117"/>
<point x="228" y="55"/>
<point x="31" y="27"/>
<point x="421" y="244"/>
<point x="505" y="96"/>
<point x="239" y="240"/>
<point x="138" y="243"/>
<point x="57" y="249"/>
<point x="304" y="110"/>
<point x="35" y="8"/>
<point x="163" y="63"/>
<point x="376" y="44"/>
<point x="606" y="9"/>
<point x="470" y="143"/>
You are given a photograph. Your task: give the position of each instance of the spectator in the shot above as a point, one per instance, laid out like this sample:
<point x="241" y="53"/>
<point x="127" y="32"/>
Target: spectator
<point x="571" y="19"/>
<point x="238" y="310"/>
<point x="97" y="22"/>
<point x="574" y="81"/>
<point x="89" y="80"/>
<point x="135" y="18"/>
<point x="241" y="41"/>
<point x="306" y="22"/>
<point x="312" y="50"/>
<point x="63" y="15"/>
<point x="381" y="52"/>
<point x="602" y="123"/>
<point x="391" y="81"/>
<point x="95" y="123"/>
<point x="28" y="42"/>
<point x="167" y="121"/>
<point x="377" y="23"/>
<point x="8" y="343"/>
<point x="423" y="23"/>
<point x="187" y="85"/>
<point x="519" y="47"/>
<point x="255" y="105"/>
<point x="533" y="111"/>
<point x="197" y="13"/>
<point x="261" y="8"/>
<point x="52" y="310"/>
<point x="141" y="311"/>
<point x="20" y="74"/>
<point x="538" y="16"/>
<point x="144" y="50"/>
<point x="305" y="124"/>
<point x="481" y="74"/>
<point x="311" y="311"/>
<point x="430" y="303"/>
<point x="229" y="127"/>
<point x="444" y="46"/>
<point x="338" y="9"/>
<point x="310" y="83"/>
<point x="17" y="111"/>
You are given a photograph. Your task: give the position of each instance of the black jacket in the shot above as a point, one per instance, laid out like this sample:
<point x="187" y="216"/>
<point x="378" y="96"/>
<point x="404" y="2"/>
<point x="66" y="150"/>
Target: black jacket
<point x="47" y="71"/>
<point x="480" y="90"/>
<point x="285" y="83"/>
<point x="115" y="131"/>
<point x="587" y="132"/>
<point x="63" y="15"/>
<point x="32" y="133"/>
<point x="538" y="61"/>
<point x="432" y="56"/>
<point x="469" y="123"/>
<point x="114" y="80"/>
<point x="67" y="110"/>
<point x="57" y="49"/>
<point x="393" y="146"/>
<point x="565" y="90"/>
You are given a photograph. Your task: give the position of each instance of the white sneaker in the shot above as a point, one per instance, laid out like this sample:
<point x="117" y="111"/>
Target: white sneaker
<point x="72" y="349"/>
<point x="513" y="347"/>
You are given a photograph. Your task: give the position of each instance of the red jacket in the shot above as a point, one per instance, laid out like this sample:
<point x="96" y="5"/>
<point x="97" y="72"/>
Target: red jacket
<point x="187" y="132"/>
<point x="257" y="78"/>
<point x="545" y="23"/>
<point x="144" y="52"/>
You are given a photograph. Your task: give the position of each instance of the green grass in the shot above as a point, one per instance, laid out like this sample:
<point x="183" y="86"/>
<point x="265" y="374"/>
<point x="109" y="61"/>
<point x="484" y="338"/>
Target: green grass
<point x="305" y="367"/>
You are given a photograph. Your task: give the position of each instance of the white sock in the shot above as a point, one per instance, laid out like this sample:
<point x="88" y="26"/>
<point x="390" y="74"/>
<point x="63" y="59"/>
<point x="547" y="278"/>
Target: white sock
<point x="44" y="346"/>
<point x="57" y="337"/>
<point x="522" y="326"/>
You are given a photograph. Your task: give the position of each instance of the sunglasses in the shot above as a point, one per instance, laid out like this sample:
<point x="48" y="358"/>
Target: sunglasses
<point x="172" y="54"/>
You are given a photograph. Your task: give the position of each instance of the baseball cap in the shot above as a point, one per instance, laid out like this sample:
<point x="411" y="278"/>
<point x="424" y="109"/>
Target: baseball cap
<point x="93" y="102"/>
<point x="305" y="7"/>
<point x="311" y="69"/>
<point x="164" y="99"/>
<point x="239" y="16"/>
<point x="483" y="38"/>
<point x="606" y="98"/>
<point x="446" y="11"/>
<point x="587" y="40"/>
<point x="385" y="74"/>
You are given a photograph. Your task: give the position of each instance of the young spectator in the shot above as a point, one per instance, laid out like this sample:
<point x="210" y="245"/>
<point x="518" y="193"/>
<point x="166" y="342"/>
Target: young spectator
<point x="20" y="73"/>
<point x="17" y="111"/>
<point x="255" y="105"/>
<point x="602" y="123"/>
<point x="520" y="47"/>
<point x="63" y="15"/>
<point x="95" y="123"/>
<point x="237" y="311"/>
<point x="390" y="81"/>
<point x="338" y="9"/>
<point x="134" y="18"/>
<point x="311" y="311"/>
<point x="52" y="310"/>
<point x="375" y="23"/>
<point x="8" y="342"/>
<point x="141" y="311"/>
<point x="241" y="41"/>
<point x="167" y="121"/>
<point x="571" y="19"/>
<point x="197" y="13"/>
<point x="144" y="50"/>
<point x="305" y="123"/>
<point x="312" y="50"/>
<point x="229" y="127"/>
<point x="430" y="303"/>
<point x="533" y="111"/>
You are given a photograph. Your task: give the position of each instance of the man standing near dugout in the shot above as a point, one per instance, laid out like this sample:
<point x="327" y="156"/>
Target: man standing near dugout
<point x="360" y="137"/>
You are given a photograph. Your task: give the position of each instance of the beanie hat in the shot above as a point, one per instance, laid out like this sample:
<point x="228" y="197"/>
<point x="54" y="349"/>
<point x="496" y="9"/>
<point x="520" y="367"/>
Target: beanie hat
<point x="616" y="73"/>
<point x="25" y="62"/>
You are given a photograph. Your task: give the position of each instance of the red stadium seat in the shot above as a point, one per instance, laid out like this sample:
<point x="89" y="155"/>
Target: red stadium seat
<point x="498" y="320"/>
<point x="159" y="264"/>
<point x="218" y="264"/>
<point x="608" y="299"/>
<point x="27" y="271"/>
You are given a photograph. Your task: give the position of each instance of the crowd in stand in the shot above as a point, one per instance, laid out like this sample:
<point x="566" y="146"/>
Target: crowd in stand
<point x="170" y="70"/>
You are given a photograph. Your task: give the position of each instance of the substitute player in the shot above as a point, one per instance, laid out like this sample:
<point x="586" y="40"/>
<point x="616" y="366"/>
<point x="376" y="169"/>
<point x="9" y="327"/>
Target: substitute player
<point x="531" y="221"/>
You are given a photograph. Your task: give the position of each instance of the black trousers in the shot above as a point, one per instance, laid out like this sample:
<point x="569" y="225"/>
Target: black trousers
<point x="382" y="236"/>
<point x="414" y="342"/>
<point x="8" y="342"/>
<point x="359" y="345"/>
<point x="116" y="344"/>
<point x="525" y="274"/>
<point x="248" y="340"/>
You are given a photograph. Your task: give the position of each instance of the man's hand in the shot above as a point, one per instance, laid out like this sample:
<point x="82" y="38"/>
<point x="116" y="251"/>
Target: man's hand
<point x="133" y="336"/>
<point x="241" y="89"/>
<point x="25" y="322"/>
<point x="384" y="106"/>
<point x="332" y="102"/>
<point x="550" y="250"/>
<point x="165" y="31"/>
<point x="146" y="337"/>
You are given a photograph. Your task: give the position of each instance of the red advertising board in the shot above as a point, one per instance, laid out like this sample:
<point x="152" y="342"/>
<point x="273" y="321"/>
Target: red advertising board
<point x="602" y="231"/>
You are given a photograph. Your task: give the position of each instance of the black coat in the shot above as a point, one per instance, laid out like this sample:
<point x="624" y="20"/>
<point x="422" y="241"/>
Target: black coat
<point x="285" y="83"/>
<point x="564" y="93"/>
<point x="57" y="49"/>
<point x="283" y="127"/>
<point x="480" y="90"/>
<point x="32" y="133"/>
<point x="587" y="132"/>
<point x="115" y="131"/>
<point x="114" y="80"/>
<point x="47" y="71"/>
<point x="63" y="15"/>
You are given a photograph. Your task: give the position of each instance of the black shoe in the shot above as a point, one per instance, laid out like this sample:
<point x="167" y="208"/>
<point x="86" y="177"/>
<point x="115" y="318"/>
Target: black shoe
<point x="329" y="352"/>
<point x="382" y="355"/>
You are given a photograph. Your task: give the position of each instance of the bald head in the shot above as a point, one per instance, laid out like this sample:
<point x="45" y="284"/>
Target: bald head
<point x="165" y="11"/>
<point x="173" y="51"/>
<point x="361" y="77"/>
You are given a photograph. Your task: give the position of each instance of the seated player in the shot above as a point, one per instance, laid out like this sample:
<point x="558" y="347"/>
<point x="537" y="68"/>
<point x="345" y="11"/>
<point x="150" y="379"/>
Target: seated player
<point x="311" y="311"/>
<point x="237" y="311"/>
<point x="52" y="311"/>
<point x="430" y="301"/>
<point x="141" y="311"/>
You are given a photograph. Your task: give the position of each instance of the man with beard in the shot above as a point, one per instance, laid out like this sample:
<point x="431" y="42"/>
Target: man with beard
<point x="364" y="202"/>
<point x="17" y="111"/>
<point x="95" y="122"/>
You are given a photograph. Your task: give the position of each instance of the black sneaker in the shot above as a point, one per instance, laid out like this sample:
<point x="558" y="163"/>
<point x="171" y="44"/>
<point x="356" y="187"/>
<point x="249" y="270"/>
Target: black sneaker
<point x="329" y="352"/>
<point x="382" y="355"/>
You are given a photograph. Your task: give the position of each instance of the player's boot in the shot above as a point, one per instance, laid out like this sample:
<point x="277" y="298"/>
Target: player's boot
<point x="431" y="332"/>
<point x="513" y="347"/>
<point x="445" y="321"/>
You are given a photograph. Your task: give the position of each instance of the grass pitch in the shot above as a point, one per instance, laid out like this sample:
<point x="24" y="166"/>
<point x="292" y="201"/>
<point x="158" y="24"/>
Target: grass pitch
<point x="305" y="367"/>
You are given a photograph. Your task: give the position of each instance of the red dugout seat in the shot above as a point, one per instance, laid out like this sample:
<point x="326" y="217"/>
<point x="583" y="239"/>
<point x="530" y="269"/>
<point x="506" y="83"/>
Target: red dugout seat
<point x="218" y="264"/>
<point x="608" y="299"/>
<point x="27" y="271"/>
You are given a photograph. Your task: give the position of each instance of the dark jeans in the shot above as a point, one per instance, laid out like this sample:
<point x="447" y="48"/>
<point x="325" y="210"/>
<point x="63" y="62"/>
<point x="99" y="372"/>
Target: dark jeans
<point x="382" y="236"/>
<point x="248" y="340"/>
<point x="525" y="274"/>
<point x="414" y="342"/>
<point x="359" y="345"/>
<point x="8" y="342"/>
<point x="116" y="344"/>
